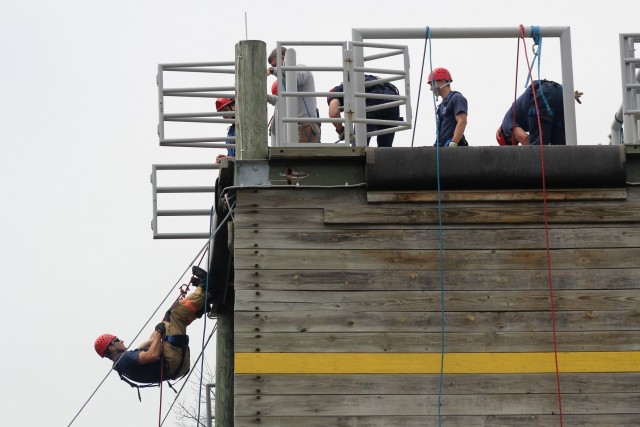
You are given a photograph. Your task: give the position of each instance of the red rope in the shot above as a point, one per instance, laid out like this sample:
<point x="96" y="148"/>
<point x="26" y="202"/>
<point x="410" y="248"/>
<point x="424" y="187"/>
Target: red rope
<point x="546" y="229"/>
<point x="513" y="140"/>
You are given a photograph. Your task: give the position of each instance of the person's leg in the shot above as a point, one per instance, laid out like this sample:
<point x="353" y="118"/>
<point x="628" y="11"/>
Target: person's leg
<point x="547" y="130"/>
<point x="557" y="135"/>
<point x="534" y="130"/>
<point x="175" y="363"/>
<point x="185" y="312"/>
<point x="385" y="140"/>
<point x="308" y="132"/>
<point x="557" y="131"/>
<point x="370" y="128"/>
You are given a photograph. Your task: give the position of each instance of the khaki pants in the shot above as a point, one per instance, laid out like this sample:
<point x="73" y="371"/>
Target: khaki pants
<point x="181" y="316"/>
<point x="308" y="132"/>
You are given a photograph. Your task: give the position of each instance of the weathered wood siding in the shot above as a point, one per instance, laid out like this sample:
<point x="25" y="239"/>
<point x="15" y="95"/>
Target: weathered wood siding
<point x="324" y="273"/>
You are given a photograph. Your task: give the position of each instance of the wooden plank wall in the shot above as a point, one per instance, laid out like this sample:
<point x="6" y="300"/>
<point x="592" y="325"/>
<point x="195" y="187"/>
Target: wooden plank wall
<point x="339" y="298"/>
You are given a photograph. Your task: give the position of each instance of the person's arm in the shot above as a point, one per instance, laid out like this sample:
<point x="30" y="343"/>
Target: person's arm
<point x="461" y="125"/>
<point x="152" y="353"/>
<point x="520" y="135"/>
<point x="334" y="113"/>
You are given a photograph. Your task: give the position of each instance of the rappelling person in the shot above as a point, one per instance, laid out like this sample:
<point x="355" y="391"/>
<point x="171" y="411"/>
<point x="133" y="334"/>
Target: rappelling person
<point x="165" y="355"/>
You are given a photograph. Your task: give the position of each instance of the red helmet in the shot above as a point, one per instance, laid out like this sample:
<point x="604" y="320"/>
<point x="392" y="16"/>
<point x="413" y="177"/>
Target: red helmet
<point x="223" y="102"/>
<point x="439" y="74"/>
<point x="102" y="342"/>
<point x="274" y="88"/>
<point x="500" y="137"/>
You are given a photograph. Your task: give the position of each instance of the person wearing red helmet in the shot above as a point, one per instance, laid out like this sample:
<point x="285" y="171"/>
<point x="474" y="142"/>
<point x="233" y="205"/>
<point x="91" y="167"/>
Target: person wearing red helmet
<point x="451" y="114"/>
<point x="520" y="123"/>
<point x="165" y="355"/>
<point x="227" y="104"/>
<point x="502" y="139"/>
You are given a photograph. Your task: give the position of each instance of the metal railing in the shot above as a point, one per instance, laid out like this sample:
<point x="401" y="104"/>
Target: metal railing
<point x="563" y="33"/>
<point x="156" y="190"/>
<point x="195" y="92"/>
<point x="629" y="113"/>
<point x="354" y="88"/>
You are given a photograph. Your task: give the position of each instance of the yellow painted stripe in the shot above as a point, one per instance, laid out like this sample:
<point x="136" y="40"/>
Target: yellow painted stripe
<point x="429" y="363"/>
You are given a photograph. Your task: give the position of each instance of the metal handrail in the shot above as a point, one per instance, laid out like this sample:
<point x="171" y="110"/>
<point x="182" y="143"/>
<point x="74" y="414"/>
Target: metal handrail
<point x="287" y="109"/>
<point x="228" y="91"/>
<point x="155" y="189"/>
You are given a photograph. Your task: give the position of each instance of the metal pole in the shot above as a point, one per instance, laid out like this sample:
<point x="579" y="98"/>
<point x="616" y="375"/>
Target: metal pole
<point x="210" y="417"/>
<point x="154" y="195"/>
<point x="571" y="134"/>
<point x="291" y="79"/>
<point x="160" y="84"/>
<point x="359" y="34"/>
<point x="358" y="86"/>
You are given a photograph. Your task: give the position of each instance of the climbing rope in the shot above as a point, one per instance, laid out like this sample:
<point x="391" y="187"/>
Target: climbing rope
<point x="546" y="230"/>
<point x="212" y="217"/>
<point x="440" y="238"/>
<point x="440" y="256"/>
<point x="215" y="327"/>
<point x="161" y="379"/>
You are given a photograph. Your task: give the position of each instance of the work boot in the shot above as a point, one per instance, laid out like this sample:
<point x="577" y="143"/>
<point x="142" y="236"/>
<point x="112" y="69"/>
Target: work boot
<point x="200" y="274"/>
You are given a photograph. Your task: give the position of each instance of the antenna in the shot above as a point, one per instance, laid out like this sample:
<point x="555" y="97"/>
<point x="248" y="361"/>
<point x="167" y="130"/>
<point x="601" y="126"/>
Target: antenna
<point x="246" y="28"/>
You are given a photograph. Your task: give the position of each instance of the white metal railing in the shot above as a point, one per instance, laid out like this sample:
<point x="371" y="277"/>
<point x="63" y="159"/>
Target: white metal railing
<point x="629" y="112"/>
<point x="354" y="89"/>
<point x="196" y="92"/>
<point x="563" y="33"/>
<point x="357" y="60"/>
<point x="156" y="190"/>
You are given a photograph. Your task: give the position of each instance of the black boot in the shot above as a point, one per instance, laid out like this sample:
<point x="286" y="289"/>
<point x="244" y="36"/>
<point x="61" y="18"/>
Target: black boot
<point x="200" y="274"/>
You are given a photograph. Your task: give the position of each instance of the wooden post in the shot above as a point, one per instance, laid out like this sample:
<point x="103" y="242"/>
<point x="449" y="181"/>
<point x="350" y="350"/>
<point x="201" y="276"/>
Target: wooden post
<point x="224" y="366"/>
<point x="251" y="100"/>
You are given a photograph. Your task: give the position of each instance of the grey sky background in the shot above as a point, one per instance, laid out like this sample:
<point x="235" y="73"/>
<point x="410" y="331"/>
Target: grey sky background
<point x="78" y="124"/>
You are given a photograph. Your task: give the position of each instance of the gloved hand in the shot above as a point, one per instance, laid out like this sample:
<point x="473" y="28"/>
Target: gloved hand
<point x="340" y="134"/>
<point x="453" y="144"/>
<point x="161" y="328"/>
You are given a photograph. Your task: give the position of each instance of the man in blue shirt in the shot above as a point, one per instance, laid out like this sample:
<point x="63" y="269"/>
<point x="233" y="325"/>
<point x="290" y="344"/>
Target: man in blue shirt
<point x="520" y="123"/>
<point x="165" y="355"/>
<point x="452" y="112"/>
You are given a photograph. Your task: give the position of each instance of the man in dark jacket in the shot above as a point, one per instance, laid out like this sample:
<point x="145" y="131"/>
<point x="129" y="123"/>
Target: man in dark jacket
<point x="392" y="113"/>
<point x="520" y="123"/>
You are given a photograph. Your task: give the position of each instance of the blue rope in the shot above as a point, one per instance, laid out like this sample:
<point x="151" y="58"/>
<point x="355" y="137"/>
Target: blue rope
<point x="441" y="267"/>
<point x="427" y="39"/>
<point x="206" y="303"/>
<point x="537" y="41"/>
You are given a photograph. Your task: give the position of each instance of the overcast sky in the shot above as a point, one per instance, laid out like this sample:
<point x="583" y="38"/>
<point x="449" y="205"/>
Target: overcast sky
<point x="78" y="122"/>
